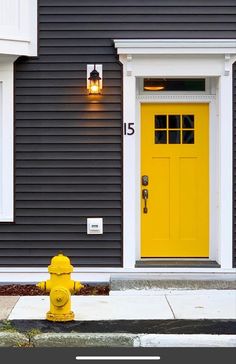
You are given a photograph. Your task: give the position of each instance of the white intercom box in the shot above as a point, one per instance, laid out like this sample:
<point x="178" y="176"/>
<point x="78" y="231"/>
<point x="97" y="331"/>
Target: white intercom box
<point x="95" y="225"/>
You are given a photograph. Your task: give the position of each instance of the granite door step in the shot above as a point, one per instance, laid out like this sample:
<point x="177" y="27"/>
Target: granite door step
<point x="180" y="263"/>
<point x="165" y="281"/>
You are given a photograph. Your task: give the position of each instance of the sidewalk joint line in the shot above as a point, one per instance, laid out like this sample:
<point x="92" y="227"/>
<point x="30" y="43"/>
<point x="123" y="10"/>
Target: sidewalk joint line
<point x="13" y="308"/>
<point x="170" y="306"/>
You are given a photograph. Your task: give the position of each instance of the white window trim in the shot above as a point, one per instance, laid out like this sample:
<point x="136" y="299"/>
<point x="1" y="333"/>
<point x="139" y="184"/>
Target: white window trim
<point x="178" y="58"/>
<point x="6" y="141"/>
<point x="21" y="37"/>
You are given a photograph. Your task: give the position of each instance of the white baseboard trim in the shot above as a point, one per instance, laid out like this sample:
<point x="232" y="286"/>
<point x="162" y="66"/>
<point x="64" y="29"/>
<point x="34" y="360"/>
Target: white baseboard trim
<point x="33" y="275"/>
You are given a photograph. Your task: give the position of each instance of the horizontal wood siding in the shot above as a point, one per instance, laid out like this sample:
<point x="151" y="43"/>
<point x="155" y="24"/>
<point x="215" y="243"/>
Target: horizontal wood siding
<point x="234" y="164"/>
<point x="68" y="146"/>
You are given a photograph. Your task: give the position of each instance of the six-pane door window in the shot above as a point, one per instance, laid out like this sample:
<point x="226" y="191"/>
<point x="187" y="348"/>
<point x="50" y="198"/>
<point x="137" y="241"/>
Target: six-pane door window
<point x="174" y="129"/>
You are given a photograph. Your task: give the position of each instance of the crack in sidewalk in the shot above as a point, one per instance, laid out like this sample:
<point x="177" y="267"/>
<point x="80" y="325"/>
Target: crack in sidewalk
<point x="170" y="306"/>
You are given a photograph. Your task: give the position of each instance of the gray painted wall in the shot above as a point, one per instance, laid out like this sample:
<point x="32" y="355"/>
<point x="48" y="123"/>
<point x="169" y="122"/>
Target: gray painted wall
<point x="234" y="165"/>
<point x="68" y="146"/>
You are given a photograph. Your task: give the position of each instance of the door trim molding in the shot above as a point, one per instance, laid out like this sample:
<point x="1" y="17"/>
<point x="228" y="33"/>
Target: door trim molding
<point x="178" y="58"/>
<point x="176" y="98"/>
<point x="175" y="46"/>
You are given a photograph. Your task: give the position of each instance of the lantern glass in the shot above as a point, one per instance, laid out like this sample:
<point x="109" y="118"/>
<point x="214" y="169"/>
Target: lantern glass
<point x="94" y="87"/>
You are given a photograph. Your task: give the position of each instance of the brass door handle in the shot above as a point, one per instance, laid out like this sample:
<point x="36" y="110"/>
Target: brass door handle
<point x="145" y="197"/>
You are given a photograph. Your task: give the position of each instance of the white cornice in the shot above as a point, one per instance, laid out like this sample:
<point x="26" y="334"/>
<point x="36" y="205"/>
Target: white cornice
<point x="175" y="46"/>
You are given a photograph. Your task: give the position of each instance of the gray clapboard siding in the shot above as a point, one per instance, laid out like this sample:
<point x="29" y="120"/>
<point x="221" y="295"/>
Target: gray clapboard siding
<point x="234" y="165"/>
<point x="68" y="146"/>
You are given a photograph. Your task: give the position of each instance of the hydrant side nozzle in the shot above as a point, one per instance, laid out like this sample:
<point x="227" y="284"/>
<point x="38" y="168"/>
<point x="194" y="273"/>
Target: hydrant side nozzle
<point x="41" y="285"/>
<point x="78" y="286"/>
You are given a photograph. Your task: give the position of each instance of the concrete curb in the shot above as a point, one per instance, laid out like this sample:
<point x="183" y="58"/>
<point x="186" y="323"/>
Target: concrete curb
<point x="187" y="340"/>
<point x="84" y="340"/>
<point x="15" y="339"/>
<point x="131" y="340"/>
<point x="9" y="339"/>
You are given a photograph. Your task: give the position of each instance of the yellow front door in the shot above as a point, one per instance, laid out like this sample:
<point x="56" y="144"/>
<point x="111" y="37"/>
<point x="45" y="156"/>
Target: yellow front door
<point x="175" y="180"/>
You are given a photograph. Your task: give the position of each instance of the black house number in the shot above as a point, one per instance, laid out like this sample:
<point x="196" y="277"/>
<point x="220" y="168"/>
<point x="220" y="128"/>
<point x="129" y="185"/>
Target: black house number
<point x="128" y="128"/>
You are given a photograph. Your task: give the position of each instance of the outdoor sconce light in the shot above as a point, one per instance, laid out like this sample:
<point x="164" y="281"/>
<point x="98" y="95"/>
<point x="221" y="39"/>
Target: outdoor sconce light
<point x="94" y="79"/>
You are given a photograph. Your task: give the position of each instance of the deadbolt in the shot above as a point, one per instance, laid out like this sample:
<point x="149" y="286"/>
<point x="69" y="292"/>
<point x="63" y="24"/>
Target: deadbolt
<point x="145" y="180"/>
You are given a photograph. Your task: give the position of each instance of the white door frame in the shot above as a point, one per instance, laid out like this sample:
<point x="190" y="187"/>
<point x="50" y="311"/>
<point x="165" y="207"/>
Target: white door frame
<point x="178" y="58"/>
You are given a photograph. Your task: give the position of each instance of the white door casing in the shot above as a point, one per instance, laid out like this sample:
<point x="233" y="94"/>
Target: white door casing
<point x="6" y="140"/>
<point x="181" y="58"/>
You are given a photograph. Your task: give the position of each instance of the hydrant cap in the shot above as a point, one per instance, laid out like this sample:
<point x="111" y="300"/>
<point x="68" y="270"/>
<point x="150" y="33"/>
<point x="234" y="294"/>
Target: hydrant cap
<point x="60" y="264"/>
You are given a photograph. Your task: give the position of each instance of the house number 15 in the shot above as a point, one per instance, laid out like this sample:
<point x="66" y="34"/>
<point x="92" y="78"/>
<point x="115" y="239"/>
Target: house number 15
<point x="128" y="128"/>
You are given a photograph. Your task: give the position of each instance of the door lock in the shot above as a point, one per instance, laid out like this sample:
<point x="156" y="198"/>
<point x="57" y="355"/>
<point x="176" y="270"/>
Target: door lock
<point x="145" y="180"/>
<point x="145" y="197"/>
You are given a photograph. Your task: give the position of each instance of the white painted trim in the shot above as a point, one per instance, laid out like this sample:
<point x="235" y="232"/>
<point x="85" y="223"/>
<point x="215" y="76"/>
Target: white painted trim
<point x="6" y="143"/>
<point x="176" y="98"/>
<point x="24" y="275"/>
<point x="226" y="170"/>
<point x="175" y="46"/>
<point x="178" y="58"/>
<point x="20" y="36"/>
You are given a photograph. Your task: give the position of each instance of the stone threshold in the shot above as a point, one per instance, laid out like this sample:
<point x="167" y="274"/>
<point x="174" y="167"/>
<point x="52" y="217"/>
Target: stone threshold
<point x="178" y="263"/>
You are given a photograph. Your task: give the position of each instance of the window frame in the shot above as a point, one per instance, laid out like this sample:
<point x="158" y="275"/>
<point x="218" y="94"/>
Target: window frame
<point x="6" y="141"/>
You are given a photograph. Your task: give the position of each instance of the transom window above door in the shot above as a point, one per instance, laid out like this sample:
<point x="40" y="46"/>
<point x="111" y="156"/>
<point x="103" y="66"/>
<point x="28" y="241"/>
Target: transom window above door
<point x="174" y="129"/>
<point x="174" y="84"/>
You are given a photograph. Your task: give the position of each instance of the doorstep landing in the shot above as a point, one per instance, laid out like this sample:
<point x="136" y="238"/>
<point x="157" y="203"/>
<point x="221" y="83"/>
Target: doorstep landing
<point x="180" y="281"/>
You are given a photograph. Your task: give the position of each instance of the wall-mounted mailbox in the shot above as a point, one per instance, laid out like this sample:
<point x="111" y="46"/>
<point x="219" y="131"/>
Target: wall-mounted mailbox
<point x="95" y="225"/>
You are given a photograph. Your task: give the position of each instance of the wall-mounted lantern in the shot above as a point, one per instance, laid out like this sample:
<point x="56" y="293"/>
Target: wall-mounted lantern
<point x="94" y="79"/>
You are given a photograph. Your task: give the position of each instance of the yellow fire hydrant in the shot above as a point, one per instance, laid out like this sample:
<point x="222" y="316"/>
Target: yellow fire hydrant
<point x="61" y="286"/>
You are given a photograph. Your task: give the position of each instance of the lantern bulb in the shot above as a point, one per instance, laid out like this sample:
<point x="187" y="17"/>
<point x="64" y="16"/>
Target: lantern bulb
<point x="94" y="89"/>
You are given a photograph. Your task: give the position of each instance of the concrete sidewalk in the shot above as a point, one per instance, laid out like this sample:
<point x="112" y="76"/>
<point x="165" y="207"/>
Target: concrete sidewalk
<point x="125" y="320"/>
<point x="200" y="304"/>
